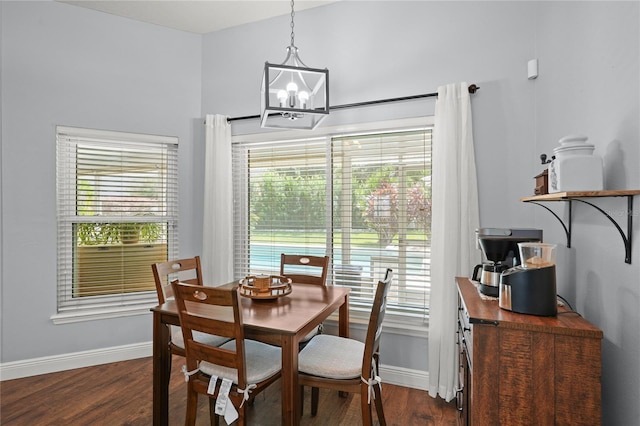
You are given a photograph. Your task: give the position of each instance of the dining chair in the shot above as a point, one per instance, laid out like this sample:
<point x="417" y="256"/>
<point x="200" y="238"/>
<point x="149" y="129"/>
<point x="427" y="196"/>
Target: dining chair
<point x="188" y="270"/>
<point x="246" y="366"/>
<point x="348" y="365"/>
<point x="304" y="269"/>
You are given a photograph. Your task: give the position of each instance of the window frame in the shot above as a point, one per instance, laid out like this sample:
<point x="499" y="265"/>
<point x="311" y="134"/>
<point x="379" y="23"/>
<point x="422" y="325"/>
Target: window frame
<point x="122" y="304"/>
<point x="396" y="323"/>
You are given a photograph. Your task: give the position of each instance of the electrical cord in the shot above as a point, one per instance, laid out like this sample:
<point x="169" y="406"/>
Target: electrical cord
<point x="565" y="301"/>
<point x="571" y="310"/>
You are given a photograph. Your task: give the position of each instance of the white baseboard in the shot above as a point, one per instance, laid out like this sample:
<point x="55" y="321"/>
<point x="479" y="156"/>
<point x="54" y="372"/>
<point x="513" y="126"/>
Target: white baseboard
<point x="415" y="379"/>
<point x="32" y="367"/>
<point x="55" y="363"/>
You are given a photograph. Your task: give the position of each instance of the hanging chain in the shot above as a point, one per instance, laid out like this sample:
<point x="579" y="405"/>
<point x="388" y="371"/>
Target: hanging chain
<point x="292" y="15"/>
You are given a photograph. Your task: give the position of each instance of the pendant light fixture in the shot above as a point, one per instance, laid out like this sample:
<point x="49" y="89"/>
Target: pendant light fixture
<point x="294" y="96"/>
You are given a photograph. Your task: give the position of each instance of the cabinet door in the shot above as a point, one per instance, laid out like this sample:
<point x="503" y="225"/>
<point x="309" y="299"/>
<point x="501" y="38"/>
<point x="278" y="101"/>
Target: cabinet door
<point x="577" y="380"/>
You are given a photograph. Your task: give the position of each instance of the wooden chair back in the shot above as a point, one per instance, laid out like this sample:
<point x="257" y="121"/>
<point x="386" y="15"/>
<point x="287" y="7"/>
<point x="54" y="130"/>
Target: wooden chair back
<point x="305" y="269"/>
<point x="374" y="329"/>
<point x="186" y="270"/>
<point x="370" y="363"/>
<point x="211" y="310"/>
<point x="217" y="311"/>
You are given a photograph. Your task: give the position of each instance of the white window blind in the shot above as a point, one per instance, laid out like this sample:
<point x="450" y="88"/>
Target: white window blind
<point x="117" y="214"/>
<point x="364" y="200"/>
<point x="382" y="218"/>
<point x="281" y="203"/>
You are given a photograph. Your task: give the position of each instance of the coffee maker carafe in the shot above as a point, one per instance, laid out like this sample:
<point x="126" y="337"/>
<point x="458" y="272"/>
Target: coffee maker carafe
<point x="500" y="252"/>
<point x="488" y="272"/>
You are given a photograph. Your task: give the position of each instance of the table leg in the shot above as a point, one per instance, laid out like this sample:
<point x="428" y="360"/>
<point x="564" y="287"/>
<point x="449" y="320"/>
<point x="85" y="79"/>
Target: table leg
<point x="290" y="387"/>
<point x="161" y="373"/>
<point x="343" y="318"/>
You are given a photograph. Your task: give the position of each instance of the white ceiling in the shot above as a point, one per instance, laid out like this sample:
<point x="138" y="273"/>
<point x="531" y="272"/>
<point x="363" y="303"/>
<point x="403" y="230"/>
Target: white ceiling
<point x="199" y="17"/>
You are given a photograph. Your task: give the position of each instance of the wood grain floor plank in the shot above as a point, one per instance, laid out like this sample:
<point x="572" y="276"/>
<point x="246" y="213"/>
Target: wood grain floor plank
<point x="121" y="394"/>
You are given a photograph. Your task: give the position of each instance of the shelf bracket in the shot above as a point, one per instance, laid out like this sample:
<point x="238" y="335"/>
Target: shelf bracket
<point x="626" y="238"/>
<point x="567" y="231"/>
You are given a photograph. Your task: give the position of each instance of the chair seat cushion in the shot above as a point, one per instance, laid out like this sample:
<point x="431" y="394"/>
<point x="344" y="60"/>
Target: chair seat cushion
<point x="210" y="339"/>
<point x="262" y="361"/>
<point x="311" y="335"/>
<point x="332" y="357"/>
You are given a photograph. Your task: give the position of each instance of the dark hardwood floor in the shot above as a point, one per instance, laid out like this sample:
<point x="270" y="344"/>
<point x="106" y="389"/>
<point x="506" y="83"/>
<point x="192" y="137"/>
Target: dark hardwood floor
<point x="120" y="394"/>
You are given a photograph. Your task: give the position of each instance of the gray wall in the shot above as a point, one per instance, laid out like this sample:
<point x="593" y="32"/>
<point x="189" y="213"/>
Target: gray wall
<point x="588" y="54"/>
<point x="589" y="84"/>
<point x="400" y="49"/>
<point x="65" y="65"/>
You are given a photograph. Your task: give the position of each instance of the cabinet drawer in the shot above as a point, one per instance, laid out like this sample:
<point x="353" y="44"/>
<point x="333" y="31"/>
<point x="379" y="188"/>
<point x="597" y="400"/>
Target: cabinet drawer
<point x="465" y="331"/>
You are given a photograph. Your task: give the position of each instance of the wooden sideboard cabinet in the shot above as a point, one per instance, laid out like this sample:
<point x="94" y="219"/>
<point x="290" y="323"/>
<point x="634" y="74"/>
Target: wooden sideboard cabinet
<point x="520" y="369"/>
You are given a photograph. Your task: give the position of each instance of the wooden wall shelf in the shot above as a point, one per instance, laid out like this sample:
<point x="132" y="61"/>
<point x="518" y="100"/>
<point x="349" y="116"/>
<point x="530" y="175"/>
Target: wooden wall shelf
<point x="579" y="196"/>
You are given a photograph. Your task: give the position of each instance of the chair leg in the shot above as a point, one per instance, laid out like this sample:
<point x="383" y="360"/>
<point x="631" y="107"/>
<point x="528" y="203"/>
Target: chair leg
<point x="170" y="366"/>
<point x="301" y="400"/>
<point x="378" y="401"/>
<point x="315" y="396"/>
<point x="242" y="415"/>
<point x="192" y="406"/>
<point x="367" y="420"/>
<point x="213" y="417"/>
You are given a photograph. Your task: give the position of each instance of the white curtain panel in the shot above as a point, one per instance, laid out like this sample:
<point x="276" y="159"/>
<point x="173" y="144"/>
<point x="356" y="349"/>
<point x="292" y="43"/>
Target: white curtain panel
<point x="454" y="220"/>
<point x="217" y="227"/>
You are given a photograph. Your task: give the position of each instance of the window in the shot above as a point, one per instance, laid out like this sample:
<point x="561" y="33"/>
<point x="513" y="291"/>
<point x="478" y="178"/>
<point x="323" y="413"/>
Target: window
<point x="365" y="200"/>
<point x="117" y="214"/>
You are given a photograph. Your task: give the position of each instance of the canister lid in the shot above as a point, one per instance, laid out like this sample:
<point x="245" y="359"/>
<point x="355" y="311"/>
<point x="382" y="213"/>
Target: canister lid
<point x="585" y="147"/>
<point x="573" y="140"/>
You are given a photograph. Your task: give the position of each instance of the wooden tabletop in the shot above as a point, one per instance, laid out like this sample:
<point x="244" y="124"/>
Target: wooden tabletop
<point x="289" y="314"/>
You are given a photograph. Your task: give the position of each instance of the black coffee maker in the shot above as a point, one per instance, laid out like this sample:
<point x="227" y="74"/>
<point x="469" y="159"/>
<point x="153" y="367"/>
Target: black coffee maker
<point x="500" y="252"/>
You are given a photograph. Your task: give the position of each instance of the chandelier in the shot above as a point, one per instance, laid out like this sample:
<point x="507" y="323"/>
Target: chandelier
<point x="294" y="96"/>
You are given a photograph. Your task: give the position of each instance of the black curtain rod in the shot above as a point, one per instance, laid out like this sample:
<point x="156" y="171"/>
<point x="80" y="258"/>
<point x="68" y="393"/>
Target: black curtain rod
<point x="472" y="89"/>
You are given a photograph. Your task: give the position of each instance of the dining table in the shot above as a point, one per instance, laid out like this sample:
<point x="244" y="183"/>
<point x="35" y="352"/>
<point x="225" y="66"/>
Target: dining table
<point x="282" y="321"/>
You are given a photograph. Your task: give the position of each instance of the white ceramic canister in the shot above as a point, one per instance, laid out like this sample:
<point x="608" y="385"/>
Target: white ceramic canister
<point x="575" y="168"/>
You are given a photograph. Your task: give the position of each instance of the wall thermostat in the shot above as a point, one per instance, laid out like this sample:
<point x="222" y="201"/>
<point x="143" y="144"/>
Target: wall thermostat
<point x="532" y="69"/>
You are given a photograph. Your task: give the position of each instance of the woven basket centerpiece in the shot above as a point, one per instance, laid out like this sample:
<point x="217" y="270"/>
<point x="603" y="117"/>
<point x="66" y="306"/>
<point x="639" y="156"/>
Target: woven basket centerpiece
<point x="265" y="286"/>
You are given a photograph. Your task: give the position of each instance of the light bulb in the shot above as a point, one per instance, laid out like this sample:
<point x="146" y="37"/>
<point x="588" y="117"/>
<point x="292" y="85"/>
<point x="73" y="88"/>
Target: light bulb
<point x="303" y="97"/>
<point x="282" y="97"/>
<point x="292" y="87"/>
<point x="292" y="90"/>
